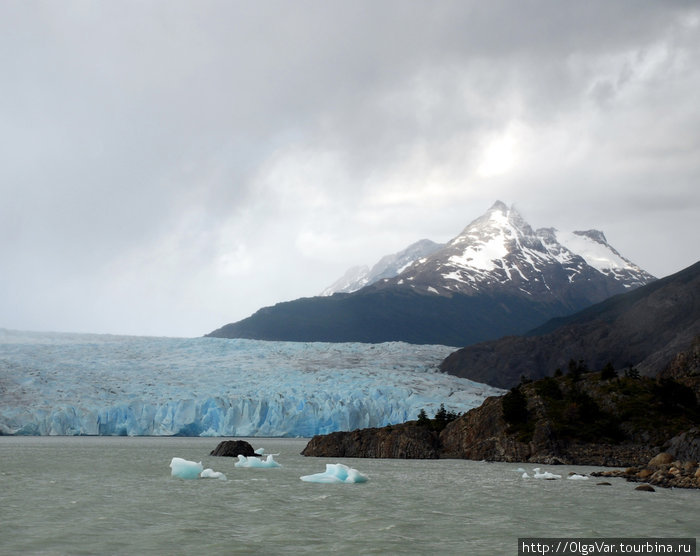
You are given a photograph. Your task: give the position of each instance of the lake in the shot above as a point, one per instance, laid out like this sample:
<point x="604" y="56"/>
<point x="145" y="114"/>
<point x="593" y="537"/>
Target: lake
<point x="116" y="495"/>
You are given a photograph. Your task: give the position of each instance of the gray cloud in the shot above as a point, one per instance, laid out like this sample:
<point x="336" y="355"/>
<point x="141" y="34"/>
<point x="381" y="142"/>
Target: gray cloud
<point x="170" y="166"/>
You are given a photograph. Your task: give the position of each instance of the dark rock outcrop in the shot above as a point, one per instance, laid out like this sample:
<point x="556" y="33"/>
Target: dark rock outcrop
<point x="483" y="434"/>
<point x="233" y="448"/>
<point x="405" y="441"/>
<point x="685" y="446"/>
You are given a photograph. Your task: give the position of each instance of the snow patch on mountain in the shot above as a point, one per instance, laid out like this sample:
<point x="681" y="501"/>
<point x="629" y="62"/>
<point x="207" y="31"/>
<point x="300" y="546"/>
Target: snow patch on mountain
<point x="355" y="278"/>
<point x="592" y="246"/>
<point x="481" y="255"/>
<point x="388" y="266"/>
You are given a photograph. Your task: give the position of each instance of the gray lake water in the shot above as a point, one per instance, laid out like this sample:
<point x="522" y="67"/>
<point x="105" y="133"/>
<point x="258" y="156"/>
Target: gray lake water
<point x="115" y="495"/>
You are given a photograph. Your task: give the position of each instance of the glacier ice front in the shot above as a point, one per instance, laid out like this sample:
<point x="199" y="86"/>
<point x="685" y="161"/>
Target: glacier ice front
<point x="82" y="384"/>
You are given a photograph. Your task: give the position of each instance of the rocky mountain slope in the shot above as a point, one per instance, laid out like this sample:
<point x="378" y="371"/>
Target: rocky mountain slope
<point x="497" y="277"/>
<point x="643" y="328"/>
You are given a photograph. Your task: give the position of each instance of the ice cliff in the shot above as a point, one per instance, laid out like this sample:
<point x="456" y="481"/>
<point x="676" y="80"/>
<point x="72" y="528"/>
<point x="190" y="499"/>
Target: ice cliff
<point x="70" y="384"/>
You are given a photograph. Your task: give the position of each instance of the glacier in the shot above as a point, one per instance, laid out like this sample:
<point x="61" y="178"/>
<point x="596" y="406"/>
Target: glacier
<point x="90" y="384"/>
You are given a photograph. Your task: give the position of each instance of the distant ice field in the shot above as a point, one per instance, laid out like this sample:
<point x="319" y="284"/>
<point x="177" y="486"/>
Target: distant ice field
<point x="72" y="384"/>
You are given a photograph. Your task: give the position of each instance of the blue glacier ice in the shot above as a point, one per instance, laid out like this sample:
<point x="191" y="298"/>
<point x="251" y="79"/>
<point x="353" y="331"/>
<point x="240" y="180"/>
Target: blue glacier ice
<point x="336" y="473"/>
<point x="71" y="384"/>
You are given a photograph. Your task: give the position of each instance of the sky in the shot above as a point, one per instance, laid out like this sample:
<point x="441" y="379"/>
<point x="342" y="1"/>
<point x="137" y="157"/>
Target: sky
<point x="169" y="166"/>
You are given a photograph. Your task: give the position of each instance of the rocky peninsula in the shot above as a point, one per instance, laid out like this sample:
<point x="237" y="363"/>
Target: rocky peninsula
<point x="606" y="418"/>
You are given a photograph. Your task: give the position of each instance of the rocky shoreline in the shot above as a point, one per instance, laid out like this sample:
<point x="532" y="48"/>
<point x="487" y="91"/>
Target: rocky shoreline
<point x="662" y="470"/>
<point x="410" y="441"/>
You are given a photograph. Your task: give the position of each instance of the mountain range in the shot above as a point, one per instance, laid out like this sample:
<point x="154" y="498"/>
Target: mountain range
<point x="497" y="277"/>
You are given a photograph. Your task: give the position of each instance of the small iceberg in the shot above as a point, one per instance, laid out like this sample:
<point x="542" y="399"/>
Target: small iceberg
<point x="545" y="475"/>
<point x="577" y="477"/>
<point x="211" y="474"/>
<point x="336" y="473"/>
<point x="267" y="463"/>
<point x="185" y="469"/>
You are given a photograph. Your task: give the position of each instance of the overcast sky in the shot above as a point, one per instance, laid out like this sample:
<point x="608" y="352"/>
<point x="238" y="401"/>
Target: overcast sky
<point x="167" y="167"/>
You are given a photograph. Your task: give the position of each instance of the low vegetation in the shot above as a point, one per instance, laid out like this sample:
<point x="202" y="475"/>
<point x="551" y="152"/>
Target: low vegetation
<point x="602" y="406"/>
<point x="439" y="421"/>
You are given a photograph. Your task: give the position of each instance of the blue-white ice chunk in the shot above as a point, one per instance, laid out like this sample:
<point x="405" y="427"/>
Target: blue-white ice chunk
<point x="211" y="474"/>
<point x="337" y="473"/>
<point x="545" y="475"/>
<point x="266" y="463"/>
<point x="185" y="469"/>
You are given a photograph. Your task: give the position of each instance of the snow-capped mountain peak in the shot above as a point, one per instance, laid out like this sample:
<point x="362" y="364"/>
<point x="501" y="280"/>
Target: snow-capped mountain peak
<point x="485" y="242"/>
<point x="500" y="252"/>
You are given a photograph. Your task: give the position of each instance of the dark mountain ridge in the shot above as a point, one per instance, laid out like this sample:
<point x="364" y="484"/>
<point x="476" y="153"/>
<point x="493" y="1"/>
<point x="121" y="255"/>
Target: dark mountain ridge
<point x="643" y="328"/>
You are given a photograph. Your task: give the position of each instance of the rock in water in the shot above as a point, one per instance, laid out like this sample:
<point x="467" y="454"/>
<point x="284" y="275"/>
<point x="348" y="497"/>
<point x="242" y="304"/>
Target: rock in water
<point x="646" y="488"/>
<point x="233" y="449"/>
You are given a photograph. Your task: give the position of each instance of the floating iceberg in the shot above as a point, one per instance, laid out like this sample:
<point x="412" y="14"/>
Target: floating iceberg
<point x="211" y="474"/>
<point x="545" y="475"/>
<point x="185" y="469"/>
<point x="577" y="477"/>
<point x="336" y="473"/>
<point x="267" y="463"/>
<point x="89" y="384"/>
